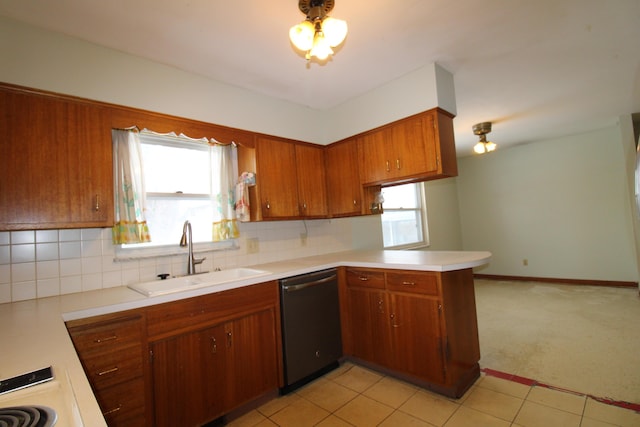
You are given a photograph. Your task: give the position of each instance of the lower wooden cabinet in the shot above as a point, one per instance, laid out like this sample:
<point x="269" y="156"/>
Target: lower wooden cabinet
<point x="183" y="363"/>
<point x="111" y="351"/>
<point x="201" y="375"/>
<point x="419" y="325"/>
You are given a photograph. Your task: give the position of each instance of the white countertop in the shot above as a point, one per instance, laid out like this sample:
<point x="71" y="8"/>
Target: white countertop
<point x="34" y="335"/>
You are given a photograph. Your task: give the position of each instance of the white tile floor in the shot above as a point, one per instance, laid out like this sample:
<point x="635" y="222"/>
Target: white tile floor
<point x="355" y="396"/>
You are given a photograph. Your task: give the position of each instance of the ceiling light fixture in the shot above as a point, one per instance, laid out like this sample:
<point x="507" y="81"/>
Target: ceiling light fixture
<point x="318" y="33"/>
<point x="483" y="146"/>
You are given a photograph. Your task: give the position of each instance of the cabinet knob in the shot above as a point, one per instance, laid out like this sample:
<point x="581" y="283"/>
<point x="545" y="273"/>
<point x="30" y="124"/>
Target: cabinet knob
<point x="355" y="202"/>
<point x="398" y="164"/>
<point x="96" y="207"/>
<point x="388" y="166"/>
<point x="268" y="205"/>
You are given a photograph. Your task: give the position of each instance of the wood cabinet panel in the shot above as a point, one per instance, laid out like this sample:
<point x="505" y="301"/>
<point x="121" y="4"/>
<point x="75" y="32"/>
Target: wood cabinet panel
<point x="253" y="357"/>
<point x="417" y="148"/>
<point x="414" y="282"/>
<point x="311" y="181"/>
<point x="110" y="348"/>
<point x="188" y="377"/>
<point x="421" y="325"/>
<point x="343" y="178"/>
<point x="276" y="178"/>
<point x="369" y="323"/>
<point x="56" y="167"/>
<point x="415" y="324"/>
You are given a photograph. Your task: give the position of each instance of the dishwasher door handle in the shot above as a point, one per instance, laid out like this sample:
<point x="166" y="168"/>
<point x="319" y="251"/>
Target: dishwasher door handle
<point x="301" y="286"/>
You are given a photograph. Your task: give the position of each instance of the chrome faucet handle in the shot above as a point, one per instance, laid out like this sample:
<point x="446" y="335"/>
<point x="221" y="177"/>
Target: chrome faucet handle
<point x="197" y="261"/>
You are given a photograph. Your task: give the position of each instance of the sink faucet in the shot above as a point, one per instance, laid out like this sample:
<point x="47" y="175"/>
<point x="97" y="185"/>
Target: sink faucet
<point x="187" y="240"/>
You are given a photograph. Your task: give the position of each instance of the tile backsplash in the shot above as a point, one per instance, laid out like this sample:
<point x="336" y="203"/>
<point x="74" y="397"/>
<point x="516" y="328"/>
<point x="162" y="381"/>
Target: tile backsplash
<point x="44" y="263"/>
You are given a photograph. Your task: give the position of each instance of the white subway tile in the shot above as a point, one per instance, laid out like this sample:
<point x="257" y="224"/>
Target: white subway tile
<point x="46" y="236"/>
<point x="91" y="265"/>
<point x="5" y="255"/>
<point x="48" y="287"/>
<point x="70" y="285"/>
<point x="72" y="235"/>
<point x="5" y="273"/>
<point x="70" y="267"/>
<point x="23" y="253"/>
<point x="91" y="234"/>
<point x="22" y="237"/>
<point x="91" y="282"/>
<point x="70" y="250"/>
<point x="47" y="251"/>
<point x="24" y="272"/>
<point x="5" y="238"/>
<point x="5" y="293"/>
<point x="21" y="291"/>
<point x="91" y="248"/>
<point x="47" y="270"/>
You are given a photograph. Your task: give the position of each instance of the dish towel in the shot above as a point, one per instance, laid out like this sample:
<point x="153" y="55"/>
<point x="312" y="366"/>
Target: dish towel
<point x="242" y="196"/>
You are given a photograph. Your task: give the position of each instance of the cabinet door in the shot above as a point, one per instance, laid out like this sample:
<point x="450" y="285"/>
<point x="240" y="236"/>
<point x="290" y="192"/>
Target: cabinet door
<point x="189" y="377"/>
<point x="276" y="178"/>
<point x="252" y="360"/>
<point x="311" y="181"/>
<point x="373" y="159"/>
<point x="417" y="344"/>
<point x="56" y="166"/>
<point x="343" y="179"/>
<point x="408" y="148"/>
<point x="369" y="323"/>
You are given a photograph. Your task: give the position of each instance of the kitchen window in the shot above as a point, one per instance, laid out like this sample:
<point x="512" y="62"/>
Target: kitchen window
<point x="178" y="182"/>
<point x="404" y="217"/>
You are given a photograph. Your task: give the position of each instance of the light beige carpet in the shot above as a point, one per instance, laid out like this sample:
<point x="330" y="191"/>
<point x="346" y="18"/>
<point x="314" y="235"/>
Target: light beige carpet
<point x="581" y="338"/>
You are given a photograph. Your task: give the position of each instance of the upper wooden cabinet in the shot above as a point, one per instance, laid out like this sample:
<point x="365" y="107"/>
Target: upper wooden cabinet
<point x="418" y="148"/>
<point x="343" y="178"/>
<point x="290" y="179"/>
<point x="312" y="187"/>
<point x="56" y="165"/>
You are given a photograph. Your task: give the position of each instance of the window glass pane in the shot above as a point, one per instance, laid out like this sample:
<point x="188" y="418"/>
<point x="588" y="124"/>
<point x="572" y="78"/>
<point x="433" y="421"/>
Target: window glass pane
<point x="401" y="227"/>
<point x="170" y="169"/>
<point x="166" y="216"/>
<point x="401" y="196"/>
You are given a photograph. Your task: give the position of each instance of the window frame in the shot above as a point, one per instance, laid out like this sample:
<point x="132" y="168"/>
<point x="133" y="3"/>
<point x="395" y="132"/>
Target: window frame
<point x="144" y="250"/>
<point x="422" y="209"/>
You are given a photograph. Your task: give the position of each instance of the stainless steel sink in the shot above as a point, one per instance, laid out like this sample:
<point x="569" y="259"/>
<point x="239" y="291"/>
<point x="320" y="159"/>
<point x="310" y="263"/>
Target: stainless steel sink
<point x="196" y="281"/>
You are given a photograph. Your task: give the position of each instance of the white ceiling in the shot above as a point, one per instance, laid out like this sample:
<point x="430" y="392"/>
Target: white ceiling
<point x="537" y="69"/>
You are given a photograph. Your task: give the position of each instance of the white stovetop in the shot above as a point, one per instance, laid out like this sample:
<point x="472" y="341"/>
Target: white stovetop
<point x="34" y="335"/>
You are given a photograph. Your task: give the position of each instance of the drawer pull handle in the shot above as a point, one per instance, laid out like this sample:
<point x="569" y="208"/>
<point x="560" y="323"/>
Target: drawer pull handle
<point x="113" y="411"/>
<point x="363" y="278"/>
<point x="108" y="371"/>
<point x="111" y="338"/>
<point x="409" y="283"/>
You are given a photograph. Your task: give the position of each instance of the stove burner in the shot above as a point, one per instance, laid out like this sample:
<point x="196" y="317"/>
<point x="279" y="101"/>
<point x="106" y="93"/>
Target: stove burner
<point x="27" y="416"/>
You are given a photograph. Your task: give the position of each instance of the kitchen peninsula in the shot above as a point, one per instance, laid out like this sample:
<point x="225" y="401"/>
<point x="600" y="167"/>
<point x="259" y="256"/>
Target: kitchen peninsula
<point x="441" y="280"/>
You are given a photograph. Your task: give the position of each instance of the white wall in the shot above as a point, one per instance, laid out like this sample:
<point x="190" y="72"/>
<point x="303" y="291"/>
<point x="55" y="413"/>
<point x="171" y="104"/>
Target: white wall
<point x="443" y="213"/>
<point x="562" y="204"/>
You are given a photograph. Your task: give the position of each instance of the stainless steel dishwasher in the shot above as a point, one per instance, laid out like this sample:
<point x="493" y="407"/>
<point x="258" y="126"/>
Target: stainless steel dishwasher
<point x="311" y="338"/>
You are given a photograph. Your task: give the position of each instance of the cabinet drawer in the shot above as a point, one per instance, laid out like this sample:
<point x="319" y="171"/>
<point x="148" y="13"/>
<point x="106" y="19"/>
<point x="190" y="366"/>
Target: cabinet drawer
<point x="195" y="313"/>
<point x="421" y="283"/>
<point x="123" y="403"/>
<point x="107" y="336"/>
<point x="105" y="370"/>
<point x="365" y="278"/>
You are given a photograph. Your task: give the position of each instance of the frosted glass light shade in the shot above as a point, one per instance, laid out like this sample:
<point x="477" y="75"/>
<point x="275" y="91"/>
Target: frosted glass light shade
<point x="479" y="148"/>
<point x="321" y="48"/>
<point x="301" y="35"/>
<point x="335" y="30"/>
<point x="490" y="146"/>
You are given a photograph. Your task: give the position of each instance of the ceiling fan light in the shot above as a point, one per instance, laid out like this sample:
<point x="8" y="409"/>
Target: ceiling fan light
<point x="335" y="30"/>
<point x="479" y="148"/>
<point x="321" y="48"/>
<point x="302" y="35"/>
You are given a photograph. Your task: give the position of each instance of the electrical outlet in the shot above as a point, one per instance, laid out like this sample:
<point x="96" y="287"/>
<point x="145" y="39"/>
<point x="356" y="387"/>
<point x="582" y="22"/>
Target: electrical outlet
<point x="525" y="262"/>
<point x="253" y="245"/>
<point x="303" y="239"/>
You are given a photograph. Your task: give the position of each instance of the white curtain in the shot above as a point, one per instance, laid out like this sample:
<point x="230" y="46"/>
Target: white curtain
<point x="129" y="192"/>
<point x="224" y="164"/>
